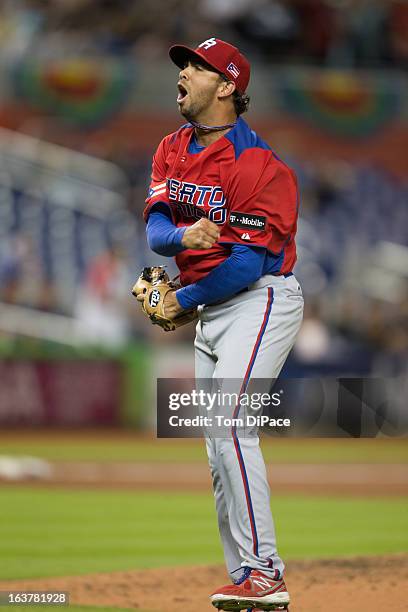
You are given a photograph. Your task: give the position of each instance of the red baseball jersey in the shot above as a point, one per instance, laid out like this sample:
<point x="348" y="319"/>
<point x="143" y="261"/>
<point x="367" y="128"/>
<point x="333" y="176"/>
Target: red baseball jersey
<point x="239" y="184"/>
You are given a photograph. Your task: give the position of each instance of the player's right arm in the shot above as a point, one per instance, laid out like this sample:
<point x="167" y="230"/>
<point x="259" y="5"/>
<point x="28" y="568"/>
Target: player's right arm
<point x="166" y="239"/>
<point x="202" y="235"/>
<point x="163" y="235"/>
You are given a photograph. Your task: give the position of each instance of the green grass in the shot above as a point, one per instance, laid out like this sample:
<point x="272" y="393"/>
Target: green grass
<point x="58" y="532"/>
<point x="125" y="447"/>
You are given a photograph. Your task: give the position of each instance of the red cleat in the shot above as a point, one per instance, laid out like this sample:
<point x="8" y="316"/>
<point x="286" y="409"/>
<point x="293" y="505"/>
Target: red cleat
<point x="257" y="591"/>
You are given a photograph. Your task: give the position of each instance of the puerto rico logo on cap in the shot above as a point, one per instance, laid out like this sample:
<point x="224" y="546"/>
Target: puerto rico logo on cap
<point x="232" y="69"/>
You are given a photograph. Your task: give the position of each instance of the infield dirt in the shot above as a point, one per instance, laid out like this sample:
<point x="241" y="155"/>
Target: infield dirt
<point x="360" y="584"/>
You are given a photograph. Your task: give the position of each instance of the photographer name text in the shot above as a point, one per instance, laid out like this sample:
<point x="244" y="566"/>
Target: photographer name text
<point x="222" y="421"/>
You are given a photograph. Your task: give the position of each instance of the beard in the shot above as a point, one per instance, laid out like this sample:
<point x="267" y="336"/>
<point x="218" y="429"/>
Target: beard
<point x="194" y="108"/>
<point x="189" y="113"/>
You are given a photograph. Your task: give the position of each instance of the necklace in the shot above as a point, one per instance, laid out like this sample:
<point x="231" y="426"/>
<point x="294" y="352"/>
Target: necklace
<point x="212" y="128"/>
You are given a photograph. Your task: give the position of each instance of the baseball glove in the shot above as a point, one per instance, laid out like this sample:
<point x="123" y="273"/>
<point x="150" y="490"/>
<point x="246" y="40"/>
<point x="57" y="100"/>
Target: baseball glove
<point x="150" y="290"/>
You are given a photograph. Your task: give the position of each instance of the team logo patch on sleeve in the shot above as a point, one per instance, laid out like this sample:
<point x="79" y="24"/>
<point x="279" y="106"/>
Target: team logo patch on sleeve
<point x="239" y="219"/>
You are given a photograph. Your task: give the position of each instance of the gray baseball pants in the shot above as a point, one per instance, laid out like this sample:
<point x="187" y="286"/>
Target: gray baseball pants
<point x="246" y="337"/>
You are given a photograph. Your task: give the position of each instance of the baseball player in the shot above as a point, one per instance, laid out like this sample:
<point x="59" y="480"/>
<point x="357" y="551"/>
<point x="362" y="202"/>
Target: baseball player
<point x="226" y="207"/>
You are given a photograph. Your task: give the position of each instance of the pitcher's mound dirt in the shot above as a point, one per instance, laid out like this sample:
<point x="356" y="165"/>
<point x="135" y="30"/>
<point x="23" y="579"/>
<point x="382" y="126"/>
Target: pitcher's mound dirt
<point x="363" y="584"/>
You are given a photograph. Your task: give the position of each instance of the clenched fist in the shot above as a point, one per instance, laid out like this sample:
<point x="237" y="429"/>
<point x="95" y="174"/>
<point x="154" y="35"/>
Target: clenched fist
<point x="202" y="235"/>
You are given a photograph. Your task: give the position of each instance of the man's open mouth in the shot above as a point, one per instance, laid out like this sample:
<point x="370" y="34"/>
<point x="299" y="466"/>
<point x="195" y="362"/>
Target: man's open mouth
<point x="183" y="93"/>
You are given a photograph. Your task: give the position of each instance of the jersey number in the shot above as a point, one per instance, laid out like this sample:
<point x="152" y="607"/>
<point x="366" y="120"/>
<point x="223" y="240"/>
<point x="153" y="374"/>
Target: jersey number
<point x="217" y="215"/>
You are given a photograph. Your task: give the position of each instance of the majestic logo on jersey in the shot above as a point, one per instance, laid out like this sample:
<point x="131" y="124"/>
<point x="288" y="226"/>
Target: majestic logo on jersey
<point x="232" y="69"/>
<point x="196" y="201"/>
<point x="210" y="42"/>
<point x="239" y="219"/>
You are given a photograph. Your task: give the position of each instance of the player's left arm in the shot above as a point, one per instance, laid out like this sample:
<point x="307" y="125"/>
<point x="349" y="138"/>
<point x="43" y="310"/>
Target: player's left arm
<point x="262" y="202"/>
<point x="242" y="268"/>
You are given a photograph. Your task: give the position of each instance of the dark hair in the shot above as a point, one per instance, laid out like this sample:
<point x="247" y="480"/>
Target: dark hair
<point x="240" y="100"/>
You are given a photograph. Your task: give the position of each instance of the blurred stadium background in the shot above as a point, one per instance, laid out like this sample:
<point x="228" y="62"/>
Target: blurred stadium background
<point x="87" y="92"/>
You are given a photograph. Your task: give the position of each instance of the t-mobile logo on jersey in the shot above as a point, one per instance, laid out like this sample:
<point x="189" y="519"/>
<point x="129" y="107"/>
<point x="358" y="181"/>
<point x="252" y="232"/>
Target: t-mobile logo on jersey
<point x="238" y="219"/>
